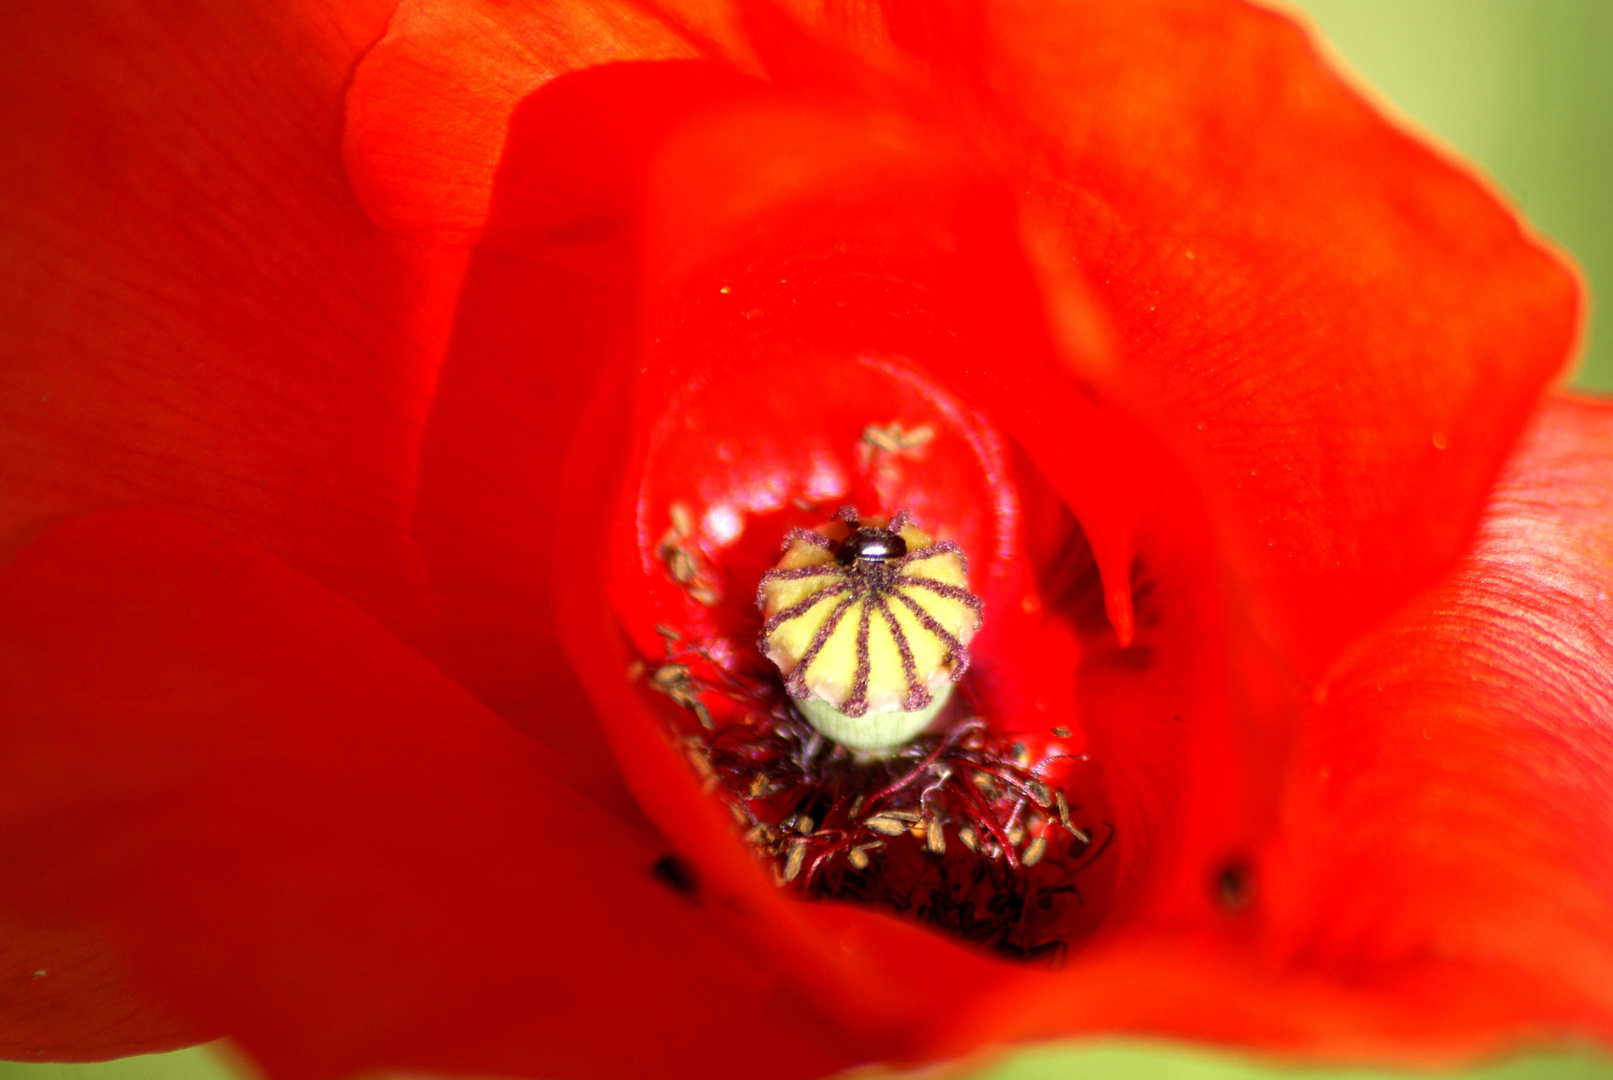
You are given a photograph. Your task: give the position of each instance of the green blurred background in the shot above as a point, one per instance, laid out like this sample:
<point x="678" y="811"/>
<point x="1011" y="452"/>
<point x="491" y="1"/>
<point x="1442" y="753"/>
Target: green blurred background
<point x="1112" y="1060"/>
<point x="1524" y="88"/>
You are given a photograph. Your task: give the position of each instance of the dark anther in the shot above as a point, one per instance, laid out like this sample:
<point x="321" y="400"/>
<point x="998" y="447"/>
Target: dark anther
<point x="1234" y="885"/>
<point x="870" y="545"/>
<point x="676" y="874"/>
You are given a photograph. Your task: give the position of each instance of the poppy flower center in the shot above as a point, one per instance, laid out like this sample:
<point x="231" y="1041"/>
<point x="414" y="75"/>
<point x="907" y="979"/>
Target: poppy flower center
<point x="864" y="754"/>
<point x="870" y="626"/>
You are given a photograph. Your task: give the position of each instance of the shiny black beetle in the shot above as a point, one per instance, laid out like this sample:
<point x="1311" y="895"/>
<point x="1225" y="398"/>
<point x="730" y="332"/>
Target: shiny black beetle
<point x="870" y="545"/>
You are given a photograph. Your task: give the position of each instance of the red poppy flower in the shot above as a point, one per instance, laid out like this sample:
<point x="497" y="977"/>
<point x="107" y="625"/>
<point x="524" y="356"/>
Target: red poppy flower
<point x="401" y="407"/>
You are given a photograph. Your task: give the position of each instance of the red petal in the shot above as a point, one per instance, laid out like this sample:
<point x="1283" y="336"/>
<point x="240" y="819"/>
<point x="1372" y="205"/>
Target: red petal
<point x="430" y="108"/>
<point x="197" y="314"/>
<point x="1443" y="885"/>
<point x="1451" y="807"/>
<point x="304" y="836"/>
<point x="1338" y="332"/>
<point x="67" y="995"/>
<point x="547" y="305"/>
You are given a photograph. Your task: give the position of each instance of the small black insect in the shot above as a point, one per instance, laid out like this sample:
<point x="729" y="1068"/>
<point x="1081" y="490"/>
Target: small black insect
<point x="871" y="545"/>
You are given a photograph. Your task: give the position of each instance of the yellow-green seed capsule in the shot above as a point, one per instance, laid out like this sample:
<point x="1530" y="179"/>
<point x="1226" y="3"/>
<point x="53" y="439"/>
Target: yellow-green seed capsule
<point x="870" y="626"/>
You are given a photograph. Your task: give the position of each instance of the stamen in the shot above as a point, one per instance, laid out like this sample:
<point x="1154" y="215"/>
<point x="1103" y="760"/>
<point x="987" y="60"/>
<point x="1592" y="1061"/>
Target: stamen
<point x="685" y="563"/>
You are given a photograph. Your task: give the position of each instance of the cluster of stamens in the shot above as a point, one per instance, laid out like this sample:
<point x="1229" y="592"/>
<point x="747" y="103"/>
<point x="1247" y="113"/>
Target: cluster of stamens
<point x="957" y="829"/>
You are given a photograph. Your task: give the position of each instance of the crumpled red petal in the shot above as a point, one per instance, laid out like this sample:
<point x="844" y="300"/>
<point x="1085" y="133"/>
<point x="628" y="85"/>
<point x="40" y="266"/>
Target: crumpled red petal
<point x="1442" y="887"/>
<point x="1342" y="485"/>
<point x="300" y="833"/>
<point x="1450" y="804"/>
<point x="197" y="314"/>
<point x="1337" y="332"/>
<point x="426" y="129"/>
<point x="547" y="305"/>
